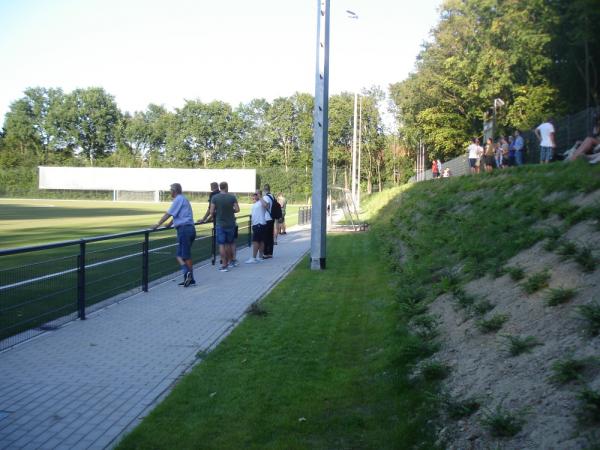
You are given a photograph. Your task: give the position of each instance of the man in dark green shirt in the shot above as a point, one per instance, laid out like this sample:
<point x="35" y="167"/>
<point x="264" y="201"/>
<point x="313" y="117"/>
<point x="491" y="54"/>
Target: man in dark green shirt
<point x="223" y="207"/>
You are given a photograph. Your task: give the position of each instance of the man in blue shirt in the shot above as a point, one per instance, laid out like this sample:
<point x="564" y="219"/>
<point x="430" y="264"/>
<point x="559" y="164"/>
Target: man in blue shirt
<point x="183" y="220"/>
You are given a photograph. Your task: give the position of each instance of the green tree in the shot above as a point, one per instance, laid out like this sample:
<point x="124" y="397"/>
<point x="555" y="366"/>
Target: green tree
<point x="90" y="118"/>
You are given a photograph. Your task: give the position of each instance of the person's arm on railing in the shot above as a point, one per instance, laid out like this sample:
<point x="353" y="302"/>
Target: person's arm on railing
<point x="163" y="219"/>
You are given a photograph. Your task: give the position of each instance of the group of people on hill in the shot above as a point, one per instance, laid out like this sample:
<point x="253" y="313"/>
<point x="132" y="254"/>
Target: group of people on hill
<point x="509" y="152"/>
<point x="266" y="220"/>
<point x="505" y="152"/>
<point x="439" y="171"/>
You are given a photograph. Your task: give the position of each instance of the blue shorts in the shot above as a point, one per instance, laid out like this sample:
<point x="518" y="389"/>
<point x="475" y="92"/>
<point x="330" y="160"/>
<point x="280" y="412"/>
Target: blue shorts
<point x="186" y="234"/>
<point x="258" y="233"/>
<point x="225" y="235"/>
<point x="545" y="153"/>
<point x="472" y="162"/>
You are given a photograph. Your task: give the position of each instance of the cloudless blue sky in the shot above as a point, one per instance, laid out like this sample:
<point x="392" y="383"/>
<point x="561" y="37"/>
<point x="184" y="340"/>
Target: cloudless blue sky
<point x="164" y="52"/>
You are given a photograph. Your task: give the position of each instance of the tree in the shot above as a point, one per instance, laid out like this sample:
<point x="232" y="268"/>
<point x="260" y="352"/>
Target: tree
<point x="91" y="117"/>
<point x="254" y="133"/>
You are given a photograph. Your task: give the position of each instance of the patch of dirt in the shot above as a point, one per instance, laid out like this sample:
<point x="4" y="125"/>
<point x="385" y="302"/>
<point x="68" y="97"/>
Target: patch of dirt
<point x="483" y="369"/>
<point x="584" y="200"/>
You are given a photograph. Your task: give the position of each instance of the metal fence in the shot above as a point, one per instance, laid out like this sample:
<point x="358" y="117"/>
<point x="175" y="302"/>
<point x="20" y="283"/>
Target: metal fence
<point x="45" y="286"/>
<point x="304" y="215"/>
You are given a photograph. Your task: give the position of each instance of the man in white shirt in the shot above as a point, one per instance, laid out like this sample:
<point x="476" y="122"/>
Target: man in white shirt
<point x="545" y="134"/>
<point x="259" y="227"/>
<point x="474" y="154"/>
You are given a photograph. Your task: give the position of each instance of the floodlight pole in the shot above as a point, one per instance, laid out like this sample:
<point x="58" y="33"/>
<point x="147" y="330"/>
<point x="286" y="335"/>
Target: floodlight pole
<point x="318" y="233"/>
<point x="353" y="178"/>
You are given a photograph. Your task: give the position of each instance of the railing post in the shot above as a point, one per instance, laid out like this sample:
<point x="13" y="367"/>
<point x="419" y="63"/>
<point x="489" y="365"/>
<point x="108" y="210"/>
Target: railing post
<point x="145" y="261"/>
<point x="81" y="281"/>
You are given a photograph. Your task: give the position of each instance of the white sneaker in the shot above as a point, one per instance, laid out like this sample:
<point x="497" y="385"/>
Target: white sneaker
<point x="595" y="159"/>
<point x="252" y="261"/>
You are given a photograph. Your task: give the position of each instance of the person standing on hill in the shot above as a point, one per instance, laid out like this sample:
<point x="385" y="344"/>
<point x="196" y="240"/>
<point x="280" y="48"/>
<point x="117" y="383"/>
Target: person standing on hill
<point x="223" y="207"/>
<point x="434" y="169"/>
<point x="183" y="220"/>
<point x="489" y="155"/>
<point x="545" y="134"/>
<point x="473" y="151"/>
<point x="519" y="148"/>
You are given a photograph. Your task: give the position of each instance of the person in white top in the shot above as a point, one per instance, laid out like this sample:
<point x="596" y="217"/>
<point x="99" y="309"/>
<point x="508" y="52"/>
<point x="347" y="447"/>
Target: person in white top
<point x="545" y="134"/>
<point x="475" y="152"/>
<point x="259" y="226"/>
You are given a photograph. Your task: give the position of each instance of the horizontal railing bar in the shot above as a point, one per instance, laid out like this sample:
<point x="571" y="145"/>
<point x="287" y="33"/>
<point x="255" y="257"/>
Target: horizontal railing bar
<point x="87" y="266"/>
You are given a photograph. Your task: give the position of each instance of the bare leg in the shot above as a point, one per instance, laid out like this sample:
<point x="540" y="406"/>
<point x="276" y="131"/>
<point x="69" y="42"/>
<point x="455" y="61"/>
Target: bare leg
<point x="584" y="148"/>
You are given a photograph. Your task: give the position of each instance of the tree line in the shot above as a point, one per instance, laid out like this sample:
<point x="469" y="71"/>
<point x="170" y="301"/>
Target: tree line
<point x="85" y="127"/>
<point x="540" y="57"/>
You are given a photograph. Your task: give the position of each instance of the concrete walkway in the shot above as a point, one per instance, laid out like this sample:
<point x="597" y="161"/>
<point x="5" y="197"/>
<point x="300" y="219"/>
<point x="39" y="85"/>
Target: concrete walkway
<point x="82" y="386"/>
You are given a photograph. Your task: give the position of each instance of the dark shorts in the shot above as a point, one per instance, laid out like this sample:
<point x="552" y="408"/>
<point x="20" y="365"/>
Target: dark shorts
<point x="472" y="162"/>
<point x="258" y="233"/>
<point x="489" y="160"/>
<point x="186" y="234"/>
<point x="225" y="235"/>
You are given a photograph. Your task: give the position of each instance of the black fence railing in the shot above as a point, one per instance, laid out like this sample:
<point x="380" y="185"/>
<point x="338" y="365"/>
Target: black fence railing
<point x="304" y="215"/>
<point x="45" y="286"/>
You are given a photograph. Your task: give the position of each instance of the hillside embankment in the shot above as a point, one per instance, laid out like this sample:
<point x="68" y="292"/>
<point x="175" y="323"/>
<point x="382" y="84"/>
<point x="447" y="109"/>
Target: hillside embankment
<point x="500" y="278"/>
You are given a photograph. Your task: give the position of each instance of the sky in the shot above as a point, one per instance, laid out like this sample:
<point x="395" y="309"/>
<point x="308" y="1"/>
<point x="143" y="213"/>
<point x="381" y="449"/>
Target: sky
<point x="166" y="52"/>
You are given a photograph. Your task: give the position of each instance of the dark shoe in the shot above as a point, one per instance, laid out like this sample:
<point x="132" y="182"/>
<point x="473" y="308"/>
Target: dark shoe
<point x="188" y="279"/>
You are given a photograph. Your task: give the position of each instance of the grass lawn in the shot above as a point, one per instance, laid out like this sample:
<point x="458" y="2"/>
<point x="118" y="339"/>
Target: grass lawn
<point x="323" y="369"/>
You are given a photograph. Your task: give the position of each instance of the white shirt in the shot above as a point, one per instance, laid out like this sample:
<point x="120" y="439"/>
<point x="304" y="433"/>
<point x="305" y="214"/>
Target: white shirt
<point x="545" y="130"/>
<point x="258" y="214"/>
<point x="473" y="151"/>
<point x="267" y="199"/>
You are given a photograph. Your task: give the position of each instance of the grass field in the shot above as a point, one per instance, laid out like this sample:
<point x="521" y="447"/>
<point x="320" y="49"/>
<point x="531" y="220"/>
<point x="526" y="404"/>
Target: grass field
<point x="26" y="222"/>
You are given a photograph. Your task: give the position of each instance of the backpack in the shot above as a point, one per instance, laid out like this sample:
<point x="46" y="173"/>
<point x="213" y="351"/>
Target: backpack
<point x="275" y="208"/>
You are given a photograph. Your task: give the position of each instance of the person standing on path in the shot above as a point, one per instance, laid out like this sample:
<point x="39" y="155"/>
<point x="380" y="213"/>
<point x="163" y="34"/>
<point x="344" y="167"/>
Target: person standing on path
<point x="223" y="207"/>
<point x="268" y="198"/>
<point x="259" y="225"/>
<point x="182" y="218"/>
<point x="281" y="222"/>
<point x="545" y="134"/>
<point x="214" y="190"/>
